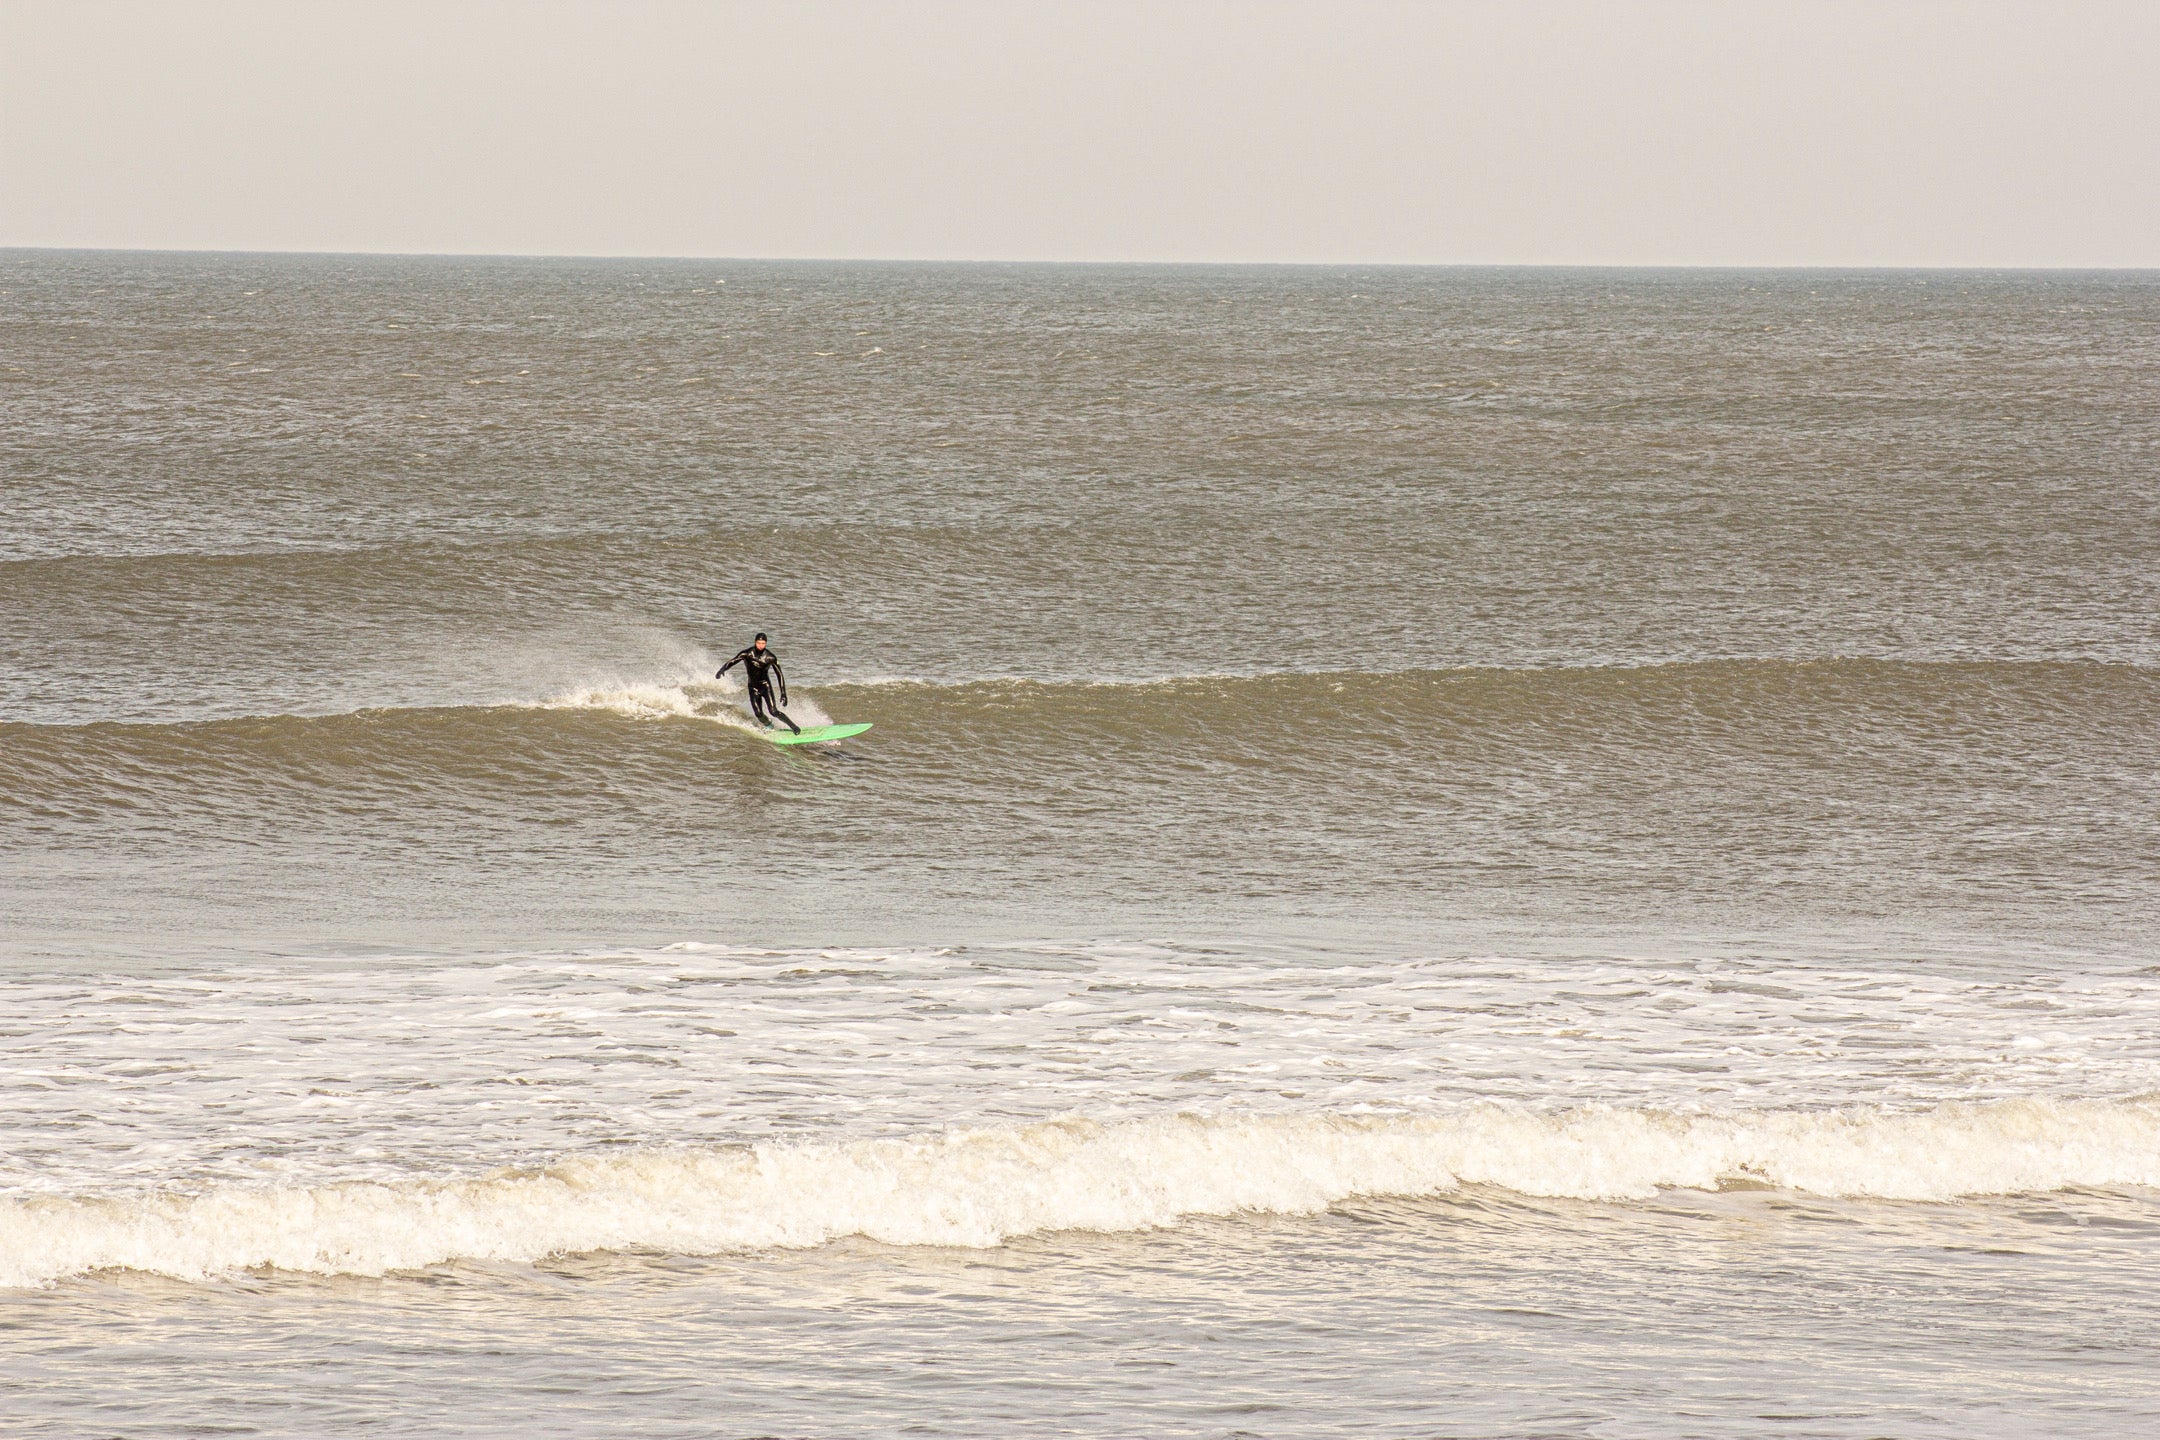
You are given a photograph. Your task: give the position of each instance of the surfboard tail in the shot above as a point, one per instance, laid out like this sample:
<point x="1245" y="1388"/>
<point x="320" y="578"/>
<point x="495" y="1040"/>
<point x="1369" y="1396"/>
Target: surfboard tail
<point x="815" y="734"/>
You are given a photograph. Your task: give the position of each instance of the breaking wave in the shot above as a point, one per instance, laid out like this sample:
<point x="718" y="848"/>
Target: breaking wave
<point x="717" y="701"/>
<point x="1828" y="713"/>
<point x="980" y="1187"/>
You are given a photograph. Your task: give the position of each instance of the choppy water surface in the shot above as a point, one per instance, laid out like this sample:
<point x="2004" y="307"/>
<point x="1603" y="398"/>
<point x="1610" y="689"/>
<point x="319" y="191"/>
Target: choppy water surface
<point x="1443" y="852"/>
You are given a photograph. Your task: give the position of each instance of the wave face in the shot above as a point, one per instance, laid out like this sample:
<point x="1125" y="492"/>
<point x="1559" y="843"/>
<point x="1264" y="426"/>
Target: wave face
<point x="1992" y="796"/>
<point x="979" y="1187"/>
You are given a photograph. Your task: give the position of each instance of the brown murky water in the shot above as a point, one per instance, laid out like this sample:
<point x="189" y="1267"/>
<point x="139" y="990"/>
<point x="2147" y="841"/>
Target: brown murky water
<point x="1581" y="789"/>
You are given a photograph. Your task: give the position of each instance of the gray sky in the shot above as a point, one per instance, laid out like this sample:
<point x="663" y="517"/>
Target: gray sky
<point x="1892" y="132"/>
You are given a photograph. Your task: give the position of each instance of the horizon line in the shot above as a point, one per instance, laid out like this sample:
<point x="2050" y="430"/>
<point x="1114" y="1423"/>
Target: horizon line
<point x="1934" y="267"/>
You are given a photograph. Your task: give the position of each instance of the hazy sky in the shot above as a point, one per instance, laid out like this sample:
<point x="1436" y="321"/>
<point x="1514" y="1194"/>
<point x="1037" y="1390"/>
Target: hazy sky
<point x="1897" y="132"/>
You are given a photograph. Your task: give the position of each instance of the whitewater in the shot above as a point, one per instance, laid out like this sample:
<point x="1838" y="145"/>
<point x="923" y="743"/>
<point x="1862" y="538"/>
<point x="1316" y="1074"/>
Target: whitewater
<point x="364" y="1119"/>
<point x="979" y="1187"/>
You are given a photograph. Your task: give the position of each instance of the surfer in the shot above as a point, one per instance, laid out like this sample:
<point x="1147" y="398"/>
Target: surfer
<point x="761" y="667"/>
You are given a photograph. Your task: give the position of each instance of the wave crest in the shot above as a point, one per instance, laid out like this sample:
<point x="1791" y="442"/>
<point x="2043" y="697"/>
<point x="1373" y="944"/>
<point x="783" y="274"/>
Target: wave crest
<point x="713" y="700"/>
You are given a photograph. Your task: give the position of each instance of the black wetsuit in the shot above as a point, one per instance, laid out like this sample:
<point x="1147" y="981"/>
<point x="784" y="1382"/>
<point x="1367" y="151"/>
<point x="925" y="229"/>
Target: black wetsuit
<point x="761" y="668"/>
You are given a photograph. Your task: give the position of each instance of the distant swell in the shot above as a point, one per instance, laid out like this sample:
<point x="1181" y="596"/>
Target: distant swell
<point x="981" y="1187"/>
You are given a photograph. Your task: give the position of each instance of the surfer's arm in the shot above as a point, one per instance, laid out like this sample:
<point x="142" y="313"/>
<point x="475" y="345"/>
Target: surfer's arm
<point x="730" y="664"/>
<point x="781" y="676"/>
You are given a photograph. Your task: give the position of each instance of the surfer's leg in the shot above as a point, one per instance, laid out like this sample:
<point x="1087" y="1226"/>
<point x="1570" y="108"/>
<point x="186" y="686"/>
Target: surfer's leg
<point x="782" y="716"/>
<point x="758" y="701"/>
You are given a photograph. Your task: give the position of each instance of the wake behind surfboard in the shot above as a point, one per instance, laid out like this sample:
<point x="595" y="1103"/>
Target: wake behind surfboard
<point x="812" y="734"/>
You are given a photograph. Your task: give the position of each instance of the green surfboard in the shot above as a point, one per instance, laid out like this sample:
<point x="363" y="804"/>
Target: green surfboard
<point x="813" y="733"/>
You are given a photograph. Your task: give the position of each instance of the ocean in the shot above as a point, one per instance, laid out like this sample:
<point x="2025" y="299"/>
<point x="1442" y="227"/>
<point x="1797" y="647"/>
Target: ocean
<point x="1443" y="852"/>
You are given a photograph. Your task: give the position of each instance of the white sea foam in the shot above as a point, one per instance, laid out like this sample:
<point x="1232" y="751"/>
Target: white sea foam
<point x="714" y="700"/>
<point x="641" y="702"/>
<point x="978" y="1187"/>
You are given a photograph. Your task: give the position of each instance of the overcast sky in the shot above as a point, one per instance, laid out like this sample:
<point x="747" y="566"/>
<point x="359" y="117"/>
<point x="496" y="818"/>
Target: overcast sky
<point x="1813" y="132"/>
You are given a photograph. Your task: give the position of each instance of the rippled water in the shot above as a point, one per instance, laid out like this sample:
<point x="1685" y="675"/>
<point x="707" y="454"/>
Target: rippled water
<point x="1441" y="852"/>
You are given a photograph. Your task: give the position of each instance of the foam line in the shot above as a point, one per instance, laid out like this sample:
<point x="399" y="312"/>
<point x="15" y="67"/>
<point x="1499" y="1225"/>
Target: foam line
<point x="979" y="1187"/>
